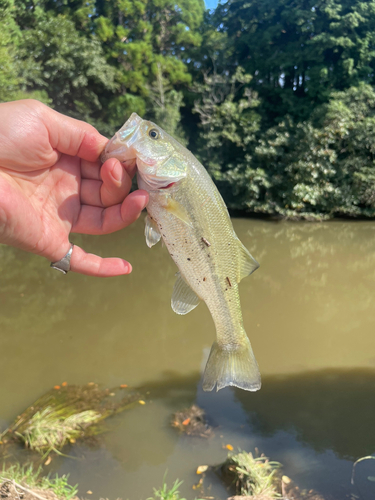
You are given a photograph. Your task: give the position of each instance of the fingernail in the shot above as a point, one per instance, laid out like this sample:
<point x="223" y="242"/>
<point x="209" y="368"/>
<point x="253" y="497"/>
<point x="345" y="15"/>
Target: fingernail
<point x="117" y="172"/>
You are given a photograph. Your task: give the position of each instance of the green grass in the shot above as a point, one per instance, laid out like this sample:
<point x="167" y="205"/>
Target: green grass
<point x="30" y="478"/>
<point x="165" y="493"/>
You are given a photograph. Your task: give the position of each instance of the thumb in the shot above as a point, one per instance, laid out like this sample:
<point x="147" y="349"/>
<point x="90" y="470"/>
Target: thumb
<point x="33" y="136"/>
<point x="72" y="137"/>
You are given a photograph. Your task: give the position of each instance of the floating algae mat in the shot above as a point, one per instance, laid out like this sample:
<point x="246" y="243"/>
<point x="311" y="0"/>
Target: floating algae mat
<point x="67" y="413"/>
<point x="192" y="422"/>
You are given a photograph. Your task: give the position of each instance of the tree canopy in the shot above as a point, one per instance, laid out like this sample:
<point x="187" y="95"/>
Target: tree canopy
<point x="276" y="97"/>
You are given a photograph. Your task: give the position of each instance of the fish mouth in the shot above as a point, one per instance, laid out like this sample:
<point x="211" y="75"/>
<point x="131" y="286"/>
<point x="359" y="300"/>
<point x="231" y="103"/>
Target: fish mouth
<point x="120" y="146"/>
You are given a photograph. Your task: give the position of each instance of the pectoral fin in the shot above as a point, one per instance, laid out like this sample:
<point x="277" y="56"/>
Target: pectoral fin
<point x="184" y="299"/>
<point x="152" y="232"/>
<point x="247" y="263"/>
<point x="178" y="210"/>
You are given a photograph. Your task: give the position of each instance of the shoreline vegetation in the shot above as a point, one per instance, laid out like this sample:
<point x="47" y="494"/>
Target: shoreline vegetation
<point x="48" y="425"/>
<point x="276" y="99"/>
<point x="27" y="483"/>
<point x="245" y="477"/>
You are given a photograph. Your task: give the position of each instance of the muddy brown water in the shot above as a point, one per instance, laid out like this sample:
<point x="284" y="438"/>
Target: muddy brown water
<point x="309" y="312"/>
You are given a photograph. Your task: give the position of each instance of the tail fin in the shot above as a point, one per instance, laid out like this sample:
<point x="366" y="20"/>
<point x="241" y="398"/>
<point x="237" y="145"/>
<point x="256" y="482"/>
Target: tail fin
<point x="231" y="366"/>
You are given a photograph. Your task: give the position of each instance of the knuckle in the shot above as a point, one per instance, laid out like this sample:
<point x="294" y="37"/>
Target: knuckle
<point x="37" y="106"/>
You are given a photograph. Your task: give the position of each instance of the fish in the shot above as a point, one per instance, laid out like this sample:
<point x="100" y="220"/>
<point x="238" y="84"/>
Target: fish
<point x="187" y="212"/>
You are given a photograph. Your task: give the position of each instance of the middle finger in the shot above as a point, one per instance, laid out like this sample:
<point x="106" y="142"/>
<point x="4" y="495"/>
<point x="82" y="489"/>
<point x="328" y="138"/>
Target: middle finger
<point x="111" y="190"/>
<point x="116" y="182"/>
<point x="90" y="169"/>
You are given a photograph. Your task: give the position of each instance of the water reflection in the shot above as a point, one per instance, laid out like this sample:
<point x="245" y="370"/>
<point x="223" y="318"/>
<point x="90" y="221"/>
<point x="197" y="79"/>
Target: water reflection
<point x="24" y="294"/>
<point x="313" y="296"/>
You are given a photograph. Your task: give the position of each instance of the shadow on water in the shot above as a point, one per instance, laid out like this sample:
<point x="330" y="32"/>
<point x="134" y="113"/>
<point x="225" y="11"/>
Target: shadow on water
<point x="325" y="415"/>
<point x="325" y="410"/>
<point x="173" y="389"/>
<point x="328" y="410"/>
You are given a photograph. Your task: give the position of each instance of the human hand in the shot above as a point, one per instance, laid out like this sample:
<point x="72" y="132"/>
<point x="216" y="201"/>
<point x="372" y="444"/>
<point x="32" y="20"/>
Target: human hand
<point x="52" y="183"/>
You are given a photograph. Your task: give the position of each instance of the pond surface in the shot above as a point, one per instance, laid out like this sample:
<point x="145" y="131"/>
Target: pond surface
<point x="309" y="312"/>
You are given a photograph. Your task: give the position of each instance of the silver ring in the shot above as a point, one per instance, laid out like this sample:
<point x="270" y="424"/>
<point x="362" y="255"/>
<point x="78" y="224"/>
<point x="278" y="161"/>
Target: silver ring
<point x="63" y="265"/>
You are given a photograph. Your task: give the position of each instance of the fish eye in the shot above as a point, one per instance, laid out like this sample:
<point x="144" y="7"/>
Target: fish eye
<point x="154" y="134"/>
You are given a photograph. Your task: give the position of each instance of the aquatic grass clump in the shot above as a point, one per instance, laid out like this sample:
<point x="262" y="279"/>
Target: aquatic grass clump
<point x="67" y="413"/>
<point x="252" y="476"/>
<point x="51" y="428"/>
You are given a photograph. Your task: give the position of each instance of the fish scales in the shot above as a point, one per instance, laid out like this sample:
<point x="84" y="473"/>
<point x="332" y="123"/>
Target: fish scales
<point x="186" y="210"/>
<point x="214" y="262"/>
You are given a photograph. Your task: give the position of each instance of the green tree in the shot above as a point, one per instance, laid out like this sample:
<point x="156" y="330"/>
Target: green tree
<point x="143" y="38"/>
<point x="9" y="81"/>
<point x="299" y="52"/>
<point x="70" y="67"/>
<point x="228" y="122"/>
<point x="99" y="60"/>
<point x="12" y="84"/>
<point x="165" y="106"/>
<point x="316" y="169"/>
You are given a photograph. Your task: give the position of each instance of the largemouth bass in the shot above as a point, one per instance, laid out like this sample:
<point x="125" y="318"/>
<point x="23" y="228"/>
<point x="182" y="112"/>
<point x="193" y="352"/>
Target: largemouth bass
<point x="186" y="210"/>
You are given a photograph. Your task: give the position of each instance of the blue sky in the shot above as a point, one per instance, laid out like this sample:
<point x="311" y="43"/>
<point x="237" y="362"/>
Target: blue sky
<point x="211" y="4"/>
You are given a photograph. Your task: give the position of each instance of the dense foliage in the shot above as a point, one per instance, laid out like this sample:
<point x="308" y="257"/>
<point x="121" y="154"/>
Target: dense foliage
<point x="276" y="97"/>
